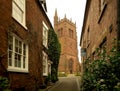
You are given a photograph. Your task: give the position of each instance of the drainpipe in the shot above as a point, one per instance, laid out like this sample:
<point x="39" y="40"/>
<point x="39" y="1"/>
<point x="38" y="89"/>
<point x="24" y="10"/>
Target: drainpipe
<point x="118" y="24"/>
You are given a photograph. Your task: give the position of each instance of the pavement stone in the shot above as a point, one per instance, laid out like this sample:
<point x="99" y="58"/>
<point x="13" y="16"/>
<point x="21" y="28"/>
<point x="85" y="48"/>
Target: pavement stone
<point x="61" y="83"/>
<point x="70" y="83"/>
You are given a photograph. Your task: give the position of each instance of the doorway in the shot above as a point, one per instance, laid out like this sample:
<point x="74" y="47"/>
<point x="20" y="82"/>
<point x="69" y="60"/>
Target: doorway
<point x="71" y="66"/>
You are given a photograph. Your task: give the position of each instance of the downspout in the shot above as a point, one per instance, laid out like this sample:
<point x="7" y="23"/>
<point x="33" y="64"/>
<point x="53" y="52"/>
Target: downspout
<point x="118" y="25"/>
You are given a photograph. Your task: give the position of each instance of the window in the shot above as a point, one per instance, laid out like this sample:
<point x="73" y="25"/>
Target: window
<point x="45" y="34"/>
<point x="45" y="64"/>
<point x="18" y="11"/>
<point x="102" y="7"/>
<point x="88" y="37"/>
<point x="17" y="54"/>
<point x="70" y="33"/>
<point x="102" y="4"/>
<point x="60" y="32"/>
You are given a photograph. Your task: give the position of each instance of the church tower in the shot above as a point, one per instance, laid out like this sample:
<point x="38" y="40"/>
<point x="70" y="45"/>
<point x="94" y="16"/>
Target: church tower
<point x="66" y="32"/>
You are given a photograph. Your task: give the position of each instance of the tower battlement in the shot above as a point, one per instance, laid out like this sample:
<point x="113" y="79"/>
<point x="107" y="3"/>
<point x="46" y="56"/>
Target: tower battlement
<point x="67" y="20"/>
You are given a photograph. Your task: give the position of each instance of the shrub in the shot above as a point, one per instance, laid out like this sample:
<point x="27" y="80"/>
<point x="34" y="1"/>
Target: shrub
<point x="62" y="74"/>
<point x="48" y="79"/>
<point x="102" y="74"/>
<point x="4" y="83"/>
<point x="54" y="50"/>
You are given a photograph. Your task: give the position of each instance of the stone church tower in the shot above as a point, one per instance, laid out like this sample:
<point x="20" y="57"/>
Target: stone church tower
<point x="66" y="31"/>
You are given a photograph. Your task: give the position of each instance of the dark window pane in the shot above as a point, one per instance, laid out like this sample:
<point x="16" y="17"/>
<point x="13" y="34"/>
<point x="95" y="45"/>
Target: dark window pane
<point x="23" y="62"/>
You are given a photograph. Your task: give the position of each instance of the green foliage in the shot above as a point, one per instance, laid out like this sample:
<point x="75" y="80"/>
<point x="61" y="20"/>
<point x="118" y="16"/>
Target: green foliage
<point x="62" y="74"/>
<point x="4" y="83"/>
<point x="48" y="79"/>
<point x="102" y="74"/>
<point x="78" y="74"/>
<point x="54" y="77"/>
<point x="54" y="49"/>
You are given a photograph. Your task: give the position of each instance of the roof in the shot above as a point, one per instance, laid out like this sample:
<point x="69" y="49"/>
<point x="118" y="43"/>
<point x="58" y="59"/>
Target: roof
<point x="43" y="3"/>
<point x="44" y="10"/>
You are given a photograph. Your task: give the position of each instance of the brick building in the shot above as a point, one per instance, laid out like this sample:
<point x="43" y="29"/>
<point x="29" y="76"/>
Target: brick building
<point x="23" y="34"/>
<point x="66" y="31"/>
<point x="100" y="26"/>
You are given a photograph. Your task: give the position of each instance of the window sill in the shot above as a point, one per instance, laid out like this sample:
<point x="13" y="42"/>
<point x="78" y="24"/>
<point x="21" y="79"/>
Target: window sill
<point x="24" y="26"/>
<point x="102" y="12"/>
<point x="18" y="70"/>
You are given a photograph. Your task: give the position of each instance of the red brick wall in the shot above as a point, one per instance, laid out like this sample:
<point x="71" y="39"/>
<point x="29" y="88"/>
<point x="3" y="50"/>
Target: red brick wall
<point x="33" y="36"/>
<point x="99" y="28"/>
<point x="68" y="46"/>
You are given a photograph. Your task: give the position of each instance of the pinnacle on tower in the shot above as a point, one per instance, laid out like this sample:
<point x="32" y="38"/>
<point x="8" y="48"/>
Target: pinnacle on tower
<point x="55" y="18"/>
<point x="65" y="16"/>
<point x="56" y="12"/>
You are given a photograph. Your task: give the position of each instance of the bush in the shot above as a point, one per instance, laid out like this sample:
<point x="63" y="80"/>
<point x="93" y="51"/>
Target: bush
<point x="62" y="74"/>
<point x="4" y="83"/>
<point x="54" y="50"/>
<point x="48" y="79"/>
<point x="102" y="74"/>
<point x="54" y="78"/>
<point x="78" y="74"/>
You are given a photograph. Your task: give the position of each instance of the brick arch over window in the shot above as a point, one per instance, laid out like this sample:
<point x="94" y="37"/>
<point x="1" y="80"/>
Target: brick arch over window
<point x="70" y="65"/>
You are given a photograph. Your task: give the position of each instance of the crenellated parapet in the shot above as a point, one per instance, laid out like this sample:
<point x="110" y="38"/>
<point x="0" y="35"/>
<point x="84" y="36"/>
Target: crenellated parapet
<point x="66" y="20"/>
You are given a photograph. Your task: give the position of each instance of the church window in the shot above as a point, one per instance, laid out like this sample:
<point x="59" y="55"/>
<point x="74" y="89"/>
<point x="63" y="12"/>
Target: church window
<point x="70" y="33"/>
<point x="60" y="32"/>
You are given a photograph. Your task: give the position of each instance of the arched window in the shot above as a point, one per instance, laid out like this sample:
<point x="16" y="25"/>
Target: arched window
<point x="60" y="32"/>
<point x="70" y="33"/>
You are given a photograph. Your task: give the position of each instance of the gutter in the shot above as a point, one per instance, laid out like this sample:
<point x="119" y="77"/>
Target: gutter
<point x="40" y="5"/>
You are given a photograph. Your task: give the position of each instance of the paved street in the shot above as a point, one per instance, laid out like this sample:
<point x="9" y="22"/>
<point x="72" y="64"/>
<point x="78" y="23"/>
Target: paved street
<point x="66" y="84"/>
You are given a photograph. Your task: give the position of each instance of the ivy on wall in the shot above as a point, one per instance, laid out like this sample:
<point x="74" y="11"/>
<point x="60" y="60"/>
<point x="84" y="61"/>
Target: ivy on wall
<point x="54" y="50"/>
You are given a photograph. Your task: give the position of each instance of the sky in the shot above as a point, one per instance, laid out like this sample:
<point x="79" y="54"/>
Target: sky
<point x="74" y="10"/>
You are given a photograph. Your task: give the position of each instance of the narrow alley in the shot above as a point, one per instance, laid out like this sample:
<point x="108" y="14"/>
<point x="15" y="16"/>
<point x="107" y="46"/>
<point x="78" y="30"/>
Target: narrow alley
<point x="66" y="84"/>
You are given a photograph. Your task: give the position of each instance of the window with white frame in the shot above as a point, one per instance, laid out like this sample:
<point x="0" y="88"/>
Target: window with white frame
<point x="18" y="11"/>
<point x="45" y="34"/>
<point x="45" y="64"/>
<point x="17" y="54"/>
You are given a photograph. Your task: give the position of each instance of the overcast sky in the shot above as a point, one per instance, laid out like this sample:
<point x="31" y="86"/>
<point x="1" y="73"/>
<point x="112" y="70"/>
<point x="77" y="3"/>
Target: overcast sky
<point x="74" y="9"/>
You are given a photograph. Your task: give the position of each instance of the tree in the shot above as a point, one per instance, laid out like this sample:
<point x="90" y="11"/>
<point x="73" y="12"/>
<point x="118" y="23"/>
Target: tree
<point x="54" y="50"/>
